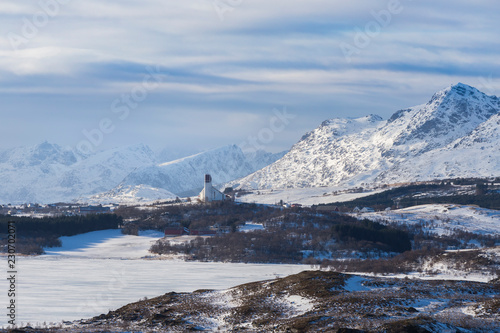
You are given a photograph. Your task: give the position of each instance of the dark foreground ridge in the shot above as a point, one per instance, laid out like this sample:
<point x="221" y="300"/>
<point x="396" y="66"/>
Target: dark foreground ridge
<point x="311" y="301"/>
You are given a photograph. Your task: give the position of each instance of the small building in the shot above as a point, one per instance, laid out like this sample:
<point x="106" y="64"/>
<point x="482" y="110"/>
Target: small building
<point x="209" y="193"/>
<point x="176" y="231"/>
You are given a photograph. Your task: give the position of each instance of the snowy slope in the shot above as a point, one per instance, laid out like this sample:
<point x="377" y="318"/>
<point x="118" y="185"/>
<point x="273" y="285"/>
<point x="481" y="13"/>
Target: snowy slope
<point x="442" y="219"/>
<point x="185" y="176"/>
<point x="261" y="158"/>
<point x="453" y="135"/>
<point x="128" y="194"/>
<point x="49" y="173"/>
<point x="476" y="154"/>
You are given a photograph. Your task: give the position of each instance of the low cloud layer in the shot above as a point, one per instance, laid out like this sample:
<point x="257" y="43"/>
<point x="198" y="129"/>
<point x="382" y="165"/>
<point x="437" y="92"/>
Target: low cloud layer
<point x="225" y="65"/>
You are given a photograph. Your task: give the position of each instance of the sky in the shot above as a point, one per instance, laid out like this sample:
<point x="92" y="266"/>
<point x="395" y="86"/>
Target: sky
<point x="186" y="76"/>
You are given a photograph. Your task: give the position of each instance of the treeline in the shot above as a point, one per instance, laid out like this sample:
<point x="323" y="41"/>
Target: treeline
<point x="258" y="246"/>
<point x="415" y="261"/>
<point x="61" y="225"/>
<point x="195" y="216"/>
<point x="291" y="237"/>
<point x="386" y="198"/>
<point x="490" y="201"/>
<point x="385" y="238"/>
<point x="33" y="234"/>
<point x="404" y="196"/>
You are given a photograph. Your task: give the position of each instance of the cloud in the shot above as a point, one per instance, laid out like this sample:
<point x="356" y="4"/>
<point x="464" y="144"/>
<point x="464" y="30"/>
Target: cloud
<point x="241" y="59"/>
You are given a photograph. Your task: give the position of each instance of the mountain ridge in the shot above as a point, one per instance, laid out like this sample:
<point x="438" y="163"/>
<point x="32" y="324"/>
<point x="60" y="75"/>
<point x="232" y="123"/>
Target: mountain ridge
<point x="455" y="134"/>
<point x="46" y="173"/>
<point x="352" y="152"/>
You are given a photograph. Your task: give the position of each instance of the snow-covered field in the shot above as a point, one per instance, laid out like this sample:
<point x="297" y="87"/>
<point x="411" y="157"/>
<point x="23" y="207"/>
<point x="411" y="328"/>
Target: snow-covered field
<point x="443" y="218"/>
<point x="106" y="244"/>
<point x="99" y="271"/>
<point x="304" y="196"/>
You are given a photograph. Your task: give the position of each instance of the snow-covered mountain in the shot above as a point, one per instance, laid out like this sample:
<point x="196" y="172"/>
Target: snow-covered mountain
<point x="455" y="134"/>
<point x="260" y="158"/>
<point x="128" y="194"/>
<point x="185" y="176"/>
<point x="48" y="173"/>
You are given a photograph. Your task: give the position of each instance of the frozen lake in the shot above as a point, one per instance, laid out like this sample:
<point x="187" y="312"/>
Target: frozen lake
<point x="101" y="271"/>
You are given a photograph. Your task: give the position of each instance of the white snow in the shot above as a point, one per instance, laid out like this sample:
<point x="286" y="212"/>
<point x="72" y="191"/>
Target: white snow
<point x="298" y="304"/>
<point x="48" y="173"/>
<point x="186" y="175"/>
<point x="99" y="271"/>
<point x="304" y="196"/>
<point x="130" y="194"/>
<point x="250" y="226"/>
<point x="428" y="306"/>
<point x="451" y="275"/>
<point x="456" y="134"/>
<point x="110" y="244"/>
<point x="355" y="283"/>
<point x="441" y="219"/>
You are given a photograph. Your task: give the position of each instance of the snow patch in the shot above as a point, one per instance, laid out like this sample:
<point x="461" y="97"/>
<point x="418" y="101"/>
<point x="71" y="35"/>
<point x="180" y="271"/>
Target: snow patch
<point x="250" y="226"/>
<point x="355" y="283"/>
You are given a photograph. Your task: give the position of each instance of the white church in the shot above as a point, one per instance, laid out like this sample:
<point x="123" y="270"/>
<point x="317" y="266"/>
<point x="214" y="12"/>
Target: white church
<point x="209" y="194"/>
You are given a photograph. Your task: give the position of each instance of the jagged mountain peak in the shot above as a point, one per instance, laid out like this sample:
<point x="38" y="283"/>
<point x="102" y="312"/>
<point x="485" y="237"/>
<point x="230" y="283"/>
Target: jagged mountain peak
<point x="367" y="149"/>
<point x="46" y="146"/>
<point x="448" y="115"/>
<point x="185" y="176"/>
<point x="460" y="93"/>
<point x="44" y="153"/>
<point x="47" y="172"/>
<point x="458" y="90"/>
<point x="139" y="149"/>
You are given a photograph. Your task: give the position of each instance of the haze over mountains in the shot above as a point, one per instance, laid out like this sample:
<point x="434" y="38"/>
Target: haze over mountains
<point x="48" y="173"/>
<point x="455" y="134"/>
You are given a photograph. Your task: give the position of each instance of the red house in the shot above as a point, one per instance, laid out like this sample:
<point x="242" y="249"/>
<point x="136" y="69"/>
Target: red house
<point x="174" y="231"/>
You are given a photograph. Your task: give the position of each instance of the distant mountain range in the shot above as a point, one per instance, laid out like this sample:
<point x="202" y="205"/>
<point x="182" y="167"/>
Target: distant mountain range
<point x="48" y="173"/>
<point x="455" y="134"/>
<point x="185" y="176"/>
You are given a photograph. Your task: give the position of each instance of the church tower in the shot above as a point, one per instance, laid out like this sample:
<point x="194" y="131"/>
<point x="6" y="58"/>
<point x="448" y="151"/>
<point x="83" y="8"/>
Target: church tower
<point x="207" y="189"/>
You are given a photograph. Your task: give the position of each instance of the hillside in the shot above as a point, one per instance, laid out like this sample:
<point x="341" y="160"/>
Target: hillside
<point x="314" y="301"/>
<point x="455" y="134"/>
<point x="49" y="173"/>
<point x="185" y="176"/>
